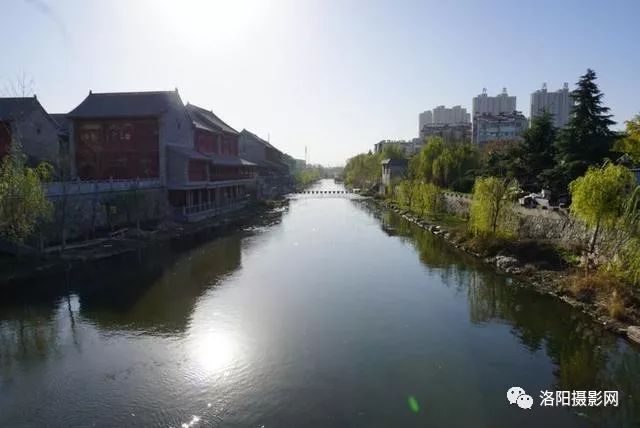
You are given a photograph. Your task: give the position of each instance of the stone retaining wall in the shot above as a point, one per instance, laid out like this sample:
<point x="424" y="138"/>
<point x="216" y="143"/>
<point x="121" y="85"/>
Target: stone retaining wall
<point x="537" y="223"/>
<point x="85" y="214"/>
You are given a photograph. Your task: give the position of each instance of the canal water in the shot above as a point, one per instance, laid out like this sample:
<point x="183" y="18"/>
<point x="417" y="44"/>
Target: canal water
<point x="332" y="314"/>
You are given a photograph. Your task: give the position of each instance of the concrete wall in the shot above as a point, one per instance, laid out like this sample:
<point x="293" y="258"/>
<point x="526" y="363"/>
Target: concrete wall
<point x="176" y="129"/>
<point x="38" y="136"/>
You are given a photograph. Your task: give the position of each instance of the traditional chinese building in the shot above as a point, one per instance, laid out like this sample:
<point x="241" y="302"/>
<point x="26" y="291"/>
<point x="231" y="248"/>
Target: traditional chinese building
<point x="25" y="121"/>
<point x="151" y="139"/>
<point x="274" y="174"/>
<point x="392" y="169"/>
<point x="208" y="177"/>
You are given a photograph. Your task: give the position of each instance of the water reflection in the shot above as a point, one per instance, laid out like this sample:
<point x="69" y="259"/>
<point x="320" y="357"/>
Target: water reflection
<point x="585" y="355"/>
<point x="320" y="320"/>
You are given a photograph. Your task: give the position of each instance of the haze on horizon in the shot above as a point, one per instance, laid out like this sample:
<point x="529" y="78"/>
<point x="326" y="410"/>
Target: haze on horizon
<point x="335" y="76"/>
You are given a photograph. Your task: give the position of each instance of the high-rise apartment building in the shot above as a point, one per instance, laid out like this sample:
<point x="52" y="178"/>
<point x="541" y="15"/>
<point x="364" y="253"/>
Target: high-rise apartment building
<point x="558" y="103"/>
<point x="502" y="103"/>
<point x="489" y="127"/>
<point x="448" y="116"/>
<point x="442" y="115"/>
<point x="424" y="118"/>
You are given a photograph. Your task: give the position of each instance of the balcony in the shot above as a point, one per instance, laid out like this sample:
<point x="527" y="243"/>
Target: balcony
<point x="81" y="187"/>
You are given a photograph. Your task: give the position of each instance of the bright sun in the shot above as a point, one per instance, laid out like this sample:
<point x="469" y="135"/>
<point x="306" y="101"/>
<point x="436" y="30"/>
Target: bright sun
<point x="220" y="22"/>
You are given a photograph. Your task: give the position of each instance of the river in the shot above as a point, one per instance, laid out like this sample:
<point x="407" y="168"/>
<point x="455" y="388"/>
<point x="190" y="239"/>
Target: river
<point x="333" y="315"/>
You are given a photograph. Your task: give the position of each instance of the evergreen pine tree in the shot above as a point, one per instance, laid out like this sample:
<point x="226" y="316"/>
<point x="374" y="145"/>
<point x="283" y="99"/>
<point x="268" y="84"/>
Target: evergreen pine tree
<point x="537" y="151"/>
<point x="587" y="139"/>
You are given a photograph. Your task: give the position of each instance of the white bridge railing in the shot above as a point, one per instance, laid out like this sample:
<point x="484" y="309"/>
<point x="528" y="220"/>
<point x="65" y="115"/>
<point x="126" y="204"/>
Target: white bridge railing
<point x="80" y="187"/>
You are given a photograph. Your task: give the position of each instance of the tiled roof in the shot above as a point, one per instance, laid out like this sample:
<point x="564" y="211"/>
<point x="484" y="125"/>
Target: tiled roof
<point x="14" y="108"/>
<point x="255" y="137"/>
<point x="229" y="160"/>
<point x="126" y="104"/>
<point x="10" y="108"/>
<point x="206" y="119"/>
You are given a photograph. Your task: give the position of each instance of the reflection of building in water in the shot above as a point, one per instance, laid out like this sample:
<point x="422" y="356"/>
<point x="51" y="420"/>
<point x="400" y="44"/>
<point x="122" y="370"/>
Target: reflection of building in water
<point x="161" y="296"/>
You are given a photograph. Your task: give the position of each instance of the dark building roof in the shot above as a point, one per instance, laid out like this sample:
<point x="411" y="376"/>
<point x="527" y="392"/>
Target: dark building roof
<point x="17" y="107"/>
<point x="260" y="140"/>
<point x="395" y="162"/>
<point x="12" y="108"/>
<point x="206" y="119"/>
<point x="126" y="104"/>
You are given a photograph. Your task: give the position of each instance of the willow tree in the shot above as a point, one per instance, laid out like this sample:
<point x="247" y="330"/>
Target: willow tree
<point x="23" y="202"/>
<point x="491" y="206"/>
<point x="599" y="197"/>
<point x="630" y="143"/>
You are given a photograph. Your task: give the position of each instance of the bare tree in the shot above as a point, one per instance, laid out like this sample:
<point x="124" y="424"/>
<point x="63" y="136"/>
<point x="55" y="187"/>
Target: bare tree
<point x="22" y="85"/>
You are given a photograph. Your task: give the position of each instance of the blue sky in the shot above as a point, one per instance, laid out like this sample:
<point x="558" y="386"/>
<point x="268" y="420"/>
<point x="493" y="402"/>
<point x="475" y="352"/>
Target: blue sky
<point x="334" y="75"/>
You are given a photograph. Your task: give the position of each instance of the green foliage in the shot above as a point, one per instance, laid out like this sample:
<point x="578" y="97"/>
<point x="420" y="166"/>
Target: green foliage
<point x="630" y="144"/>
<point x="429" y="200"/>
<point x="445" y="164"/>
<point x="587" y="139"/>
<point x="363" y="170"/>
<point x="491" y="207"/>
<point x="22" y="199"/>
<point x="306" y="176"/>
<point x="404" y="193"/>
<point x="598" y="197"/>
<point x="627" y="265"/>
<point x="535" y="153"/>
<point x="501" y="159"/>
<point x="424" y="199"/>
<point x="392" y="152"/>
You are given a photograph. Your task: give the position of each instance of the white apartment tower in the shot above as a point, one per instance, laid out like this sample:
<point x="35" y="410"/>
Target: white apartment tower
<point x="502" y="103"/>
<point x="424" y="118"/>
<point x="449" y="116"/>
<point x="558" y="103"/>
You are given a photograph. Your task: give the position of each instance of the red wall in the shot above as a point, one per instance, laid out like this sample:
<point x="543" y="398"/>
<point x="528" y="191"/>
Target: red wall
<point x="117" y="148"/>
<point x="5" y="138"/>
<point x="197" y="170"/>
<point x="206" y="142"/>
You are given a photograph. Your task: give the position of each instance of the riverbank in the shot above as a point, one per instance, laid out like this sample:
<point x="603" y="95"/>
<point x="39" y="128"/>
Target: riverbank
<point x="128" y="240"/>
<point x="538" y="265"/>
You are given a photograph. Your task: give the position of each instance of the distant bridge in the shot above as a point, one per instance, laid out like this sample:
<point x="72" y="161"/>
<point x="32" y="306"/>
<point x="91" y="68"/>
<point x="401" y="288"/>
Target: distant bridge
<point x="344" y="194"/>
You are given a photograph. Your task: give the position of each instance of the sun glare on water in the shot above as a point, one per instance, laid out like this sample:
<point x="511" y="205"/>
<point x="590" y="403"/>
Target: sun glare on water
<point x="215" y="351"/>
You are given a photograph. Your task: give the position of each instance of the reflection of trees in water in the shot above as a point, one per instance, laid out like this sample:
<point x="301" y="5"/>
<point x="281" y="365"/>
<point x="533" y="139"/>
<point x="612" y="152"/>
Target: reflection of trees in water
<point x="31" y="332"/>
<point x="159" y="295"/>
<point x="586" y="356"/>
<point x="154" y="293"/>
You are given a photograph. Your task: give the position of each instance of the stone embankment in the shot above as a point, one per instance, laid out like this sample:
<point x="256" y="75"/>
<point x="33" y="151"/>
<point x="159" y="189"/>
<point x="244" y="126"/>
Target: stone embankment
<point x="545" y="281"/>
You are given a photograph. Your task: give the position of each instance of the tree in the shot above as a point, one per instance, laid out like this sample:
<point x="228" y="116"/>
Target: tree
<point x="587" y="139"/>
<point x="501" y="159"/>
<point x="599" y="197"/>
<point x="491" y="206"/>
<point x="536" y="151"/>
<point x="429" y="199"/>
<point x="22" y="199"/>
<point x="444" y="164"/>
<point x="630" y="143"/>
